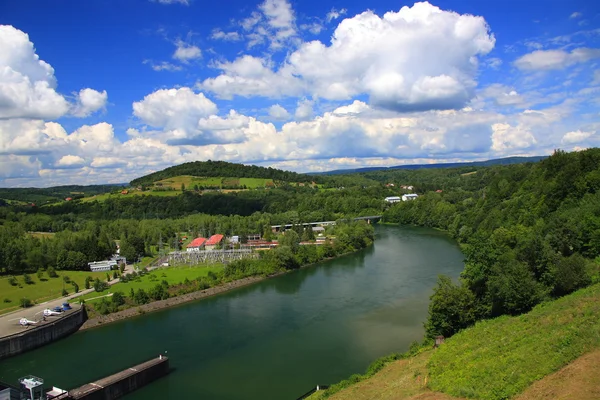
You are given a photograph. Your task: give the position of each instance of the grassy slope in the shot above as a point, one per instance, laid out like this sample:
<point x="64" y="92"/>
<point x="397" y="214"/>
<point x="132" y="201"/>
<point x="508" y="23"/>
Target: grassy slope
<point x="500" y="358"/>
<point x="40" y="291"/>
<point x="172" y="275"/>
<point x="189" y="182"/>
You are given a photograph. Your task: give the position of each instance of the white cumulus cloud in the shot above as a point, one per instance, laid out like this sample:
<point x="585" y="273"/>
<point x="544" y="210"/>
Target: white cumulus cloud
<point x="186" y="51"/>
<point x="173" y="108"/>
<point x="27" y="83"/>
<point x="576" y="136"/>
<point x="555" y="59"/>
<point x="277" y="112"/>
<point x="70" y="161"/>
<point x="418" y="58"/>
<point x="89" y="101"/>
<point x="507" y="138"/>
<point x="304" y="110"/>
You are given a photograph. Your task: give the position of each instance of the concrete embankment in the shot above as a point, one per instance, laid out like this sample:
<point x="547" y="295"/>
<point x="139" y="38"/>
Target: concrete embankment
<point x="37" y="336"/>
<point x="124" y="382"/>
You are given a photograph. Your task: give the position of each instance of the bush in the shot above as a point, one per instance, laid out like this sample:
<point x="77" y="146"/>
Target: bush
<point x="75" y="286"/>
<point x="7" y="300"/>
<point x="140" y="297"/>
<point x="13" y="281"/>
<point x="100" y="286"/>
<point x="88" y="279"/>
<point x="66" y="279"/>
<point x="25" y="303"/>
<point x="27" y="279"/>
<point x="40" y="273"/>
<point x="52" y="272"/>
<point x="115" y="275"/>
<point x="118" y="299"/>
<point x="64" y="292"/>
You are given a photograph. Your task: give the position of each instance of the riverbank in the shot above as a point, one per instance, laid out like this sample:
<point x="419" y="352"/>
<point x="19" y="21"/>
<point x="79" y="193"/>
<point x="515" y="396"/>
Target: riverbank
<point x="158" y="305"/>
<point x="500" y="358"/>
<point x="171" y="302"/>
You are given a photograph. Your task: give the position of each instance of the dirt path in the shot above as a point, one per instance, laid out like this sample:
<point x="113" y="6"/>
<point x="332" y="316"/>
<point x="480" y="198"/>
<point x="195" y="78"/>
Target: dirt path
<point x="579" y="380"/>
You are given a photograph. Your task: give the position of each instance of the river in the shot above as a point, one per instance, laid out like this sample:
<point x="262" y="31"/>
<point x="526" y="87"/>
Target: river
<point x="272" y="340"/>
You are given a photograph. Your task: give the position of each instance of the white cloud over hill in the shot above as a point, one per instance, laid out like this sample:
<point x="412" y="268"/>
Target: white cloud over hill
<point x="401" y="87"/>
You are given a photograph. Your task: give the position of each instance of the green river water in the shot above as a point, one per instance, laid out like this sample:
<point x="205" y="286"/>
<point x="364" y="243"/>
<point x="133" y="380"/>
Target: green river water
<point x="276" y="339"/>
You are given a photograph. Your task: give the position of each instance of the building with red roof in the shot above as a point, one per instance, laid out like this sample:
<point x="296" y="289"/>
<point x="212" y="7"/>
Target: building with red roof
<point x="213" y="241"/>
<point x="196" y="244"/>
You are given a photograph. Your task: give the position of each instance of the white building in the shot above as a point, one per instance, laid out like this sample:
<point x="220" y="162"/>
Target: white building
<point x="99" y="266"/>
<point x="410" y="196"/>
<point x="393" y="199"/>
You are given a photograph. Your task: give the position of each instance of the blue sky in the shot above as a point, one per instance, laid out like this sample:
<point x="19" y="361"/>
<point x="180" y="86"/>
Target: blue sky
<point x="103" y="91"/>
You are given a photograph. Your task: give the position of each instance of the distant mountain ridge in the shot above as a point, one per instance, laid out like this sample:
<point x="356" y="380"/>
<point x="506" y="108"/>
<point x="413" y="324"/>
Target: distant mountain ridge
<point x="487" y="163"/>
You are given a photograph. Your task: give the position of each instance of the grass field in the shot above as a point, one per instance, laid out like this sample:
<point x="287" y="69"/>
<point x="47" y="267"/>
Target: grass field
<point x="173" y="275"/>
<point x="500" y="358"/>
<point x="42" y="235"/>
<point x="190" y="181"/>
<point x="40" y="291"/>
<point x="105" y="196"/>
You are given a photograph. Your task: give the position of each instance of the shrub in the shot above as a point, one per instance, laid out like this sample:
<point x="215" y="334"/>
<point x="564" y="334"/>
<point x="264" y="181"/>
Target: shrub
<point x="140" y="297"/>
<point x="25" y="302"/>
<point x="64" y="292"/>
<point x="88" y="279"/>
<point x="52" y="272"/>
<point x="75" y="286"/>
<point x="7" y="300"/>
<point x="100" y="286"/>
<point x="118" y="299"/>
<point x="27" y="279"/>
<point x="13" y="281"/>
<point x="40" y="273"/>
<point x="66" y="279"/>
<point x="115" y="275"/>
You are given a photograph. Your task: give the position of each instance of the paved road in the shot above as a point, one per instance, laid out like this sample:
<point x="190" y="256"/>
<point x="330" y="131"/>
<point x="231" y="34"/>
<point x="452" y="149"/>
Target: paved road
<point x="9" y="323"/>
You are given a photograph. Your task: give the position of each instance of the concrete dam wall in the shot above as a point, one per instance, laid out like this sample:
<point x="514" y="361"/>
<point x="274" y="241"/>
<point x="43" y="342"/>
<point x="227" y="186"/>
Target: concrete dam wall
<point x="34" y="337"/>
<point x="124" y="382"/>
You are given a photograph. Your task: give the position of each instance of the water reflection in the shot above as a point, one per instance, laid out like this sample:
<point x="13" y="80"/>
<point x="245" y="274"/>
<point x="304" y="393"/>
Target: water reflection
<point x="279" y="336"/>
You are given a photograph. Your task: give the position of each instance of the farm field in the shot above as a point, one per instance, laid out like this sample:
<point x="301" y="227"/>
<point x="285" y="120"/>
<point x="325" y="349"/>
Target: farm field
<point x="105" y="196"/>
<point x="40" y="291"/>
<point x="190" y="181"/>
<point x="173" y="275"/>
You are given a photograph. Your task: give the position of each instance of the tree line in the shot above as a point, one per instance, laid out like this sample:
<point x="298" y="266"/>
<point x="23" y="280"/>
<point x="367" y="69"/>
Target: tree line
<point x="530" y="232"/>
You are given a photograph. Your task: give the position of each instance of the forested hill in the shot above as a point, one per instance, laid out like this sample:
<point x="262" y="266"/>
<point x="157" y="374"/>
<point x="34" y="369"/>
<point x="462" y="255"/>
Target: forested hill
<point x="52" y="194"/>
<point x="223" y="169"/>
<point x="530" y="232"/>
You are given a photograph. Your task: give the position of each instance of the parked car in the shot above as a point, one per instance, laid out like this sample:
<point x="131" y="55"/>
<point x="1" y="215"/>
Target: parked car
<point x="58" y="309"/>
<point x="66" y="306"/>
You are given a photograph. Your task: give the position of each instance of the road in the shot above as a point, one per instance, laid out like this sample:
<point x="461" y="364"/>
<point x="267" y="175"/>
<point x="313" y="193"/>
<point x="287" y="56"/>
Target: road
<point x="9" y="323"/>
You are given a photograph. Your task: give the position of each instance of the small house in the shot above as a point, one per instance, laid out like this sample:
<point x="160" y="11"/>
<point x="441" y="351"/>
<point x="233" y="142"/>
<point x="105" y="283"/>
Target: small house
<point x="196" y="245"/>
<point x="213" y="242"/>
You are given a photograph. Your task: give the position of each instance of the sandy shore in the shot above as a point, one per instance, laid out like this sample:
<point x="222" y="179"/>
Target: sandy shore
<point x="173" y="301"/>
